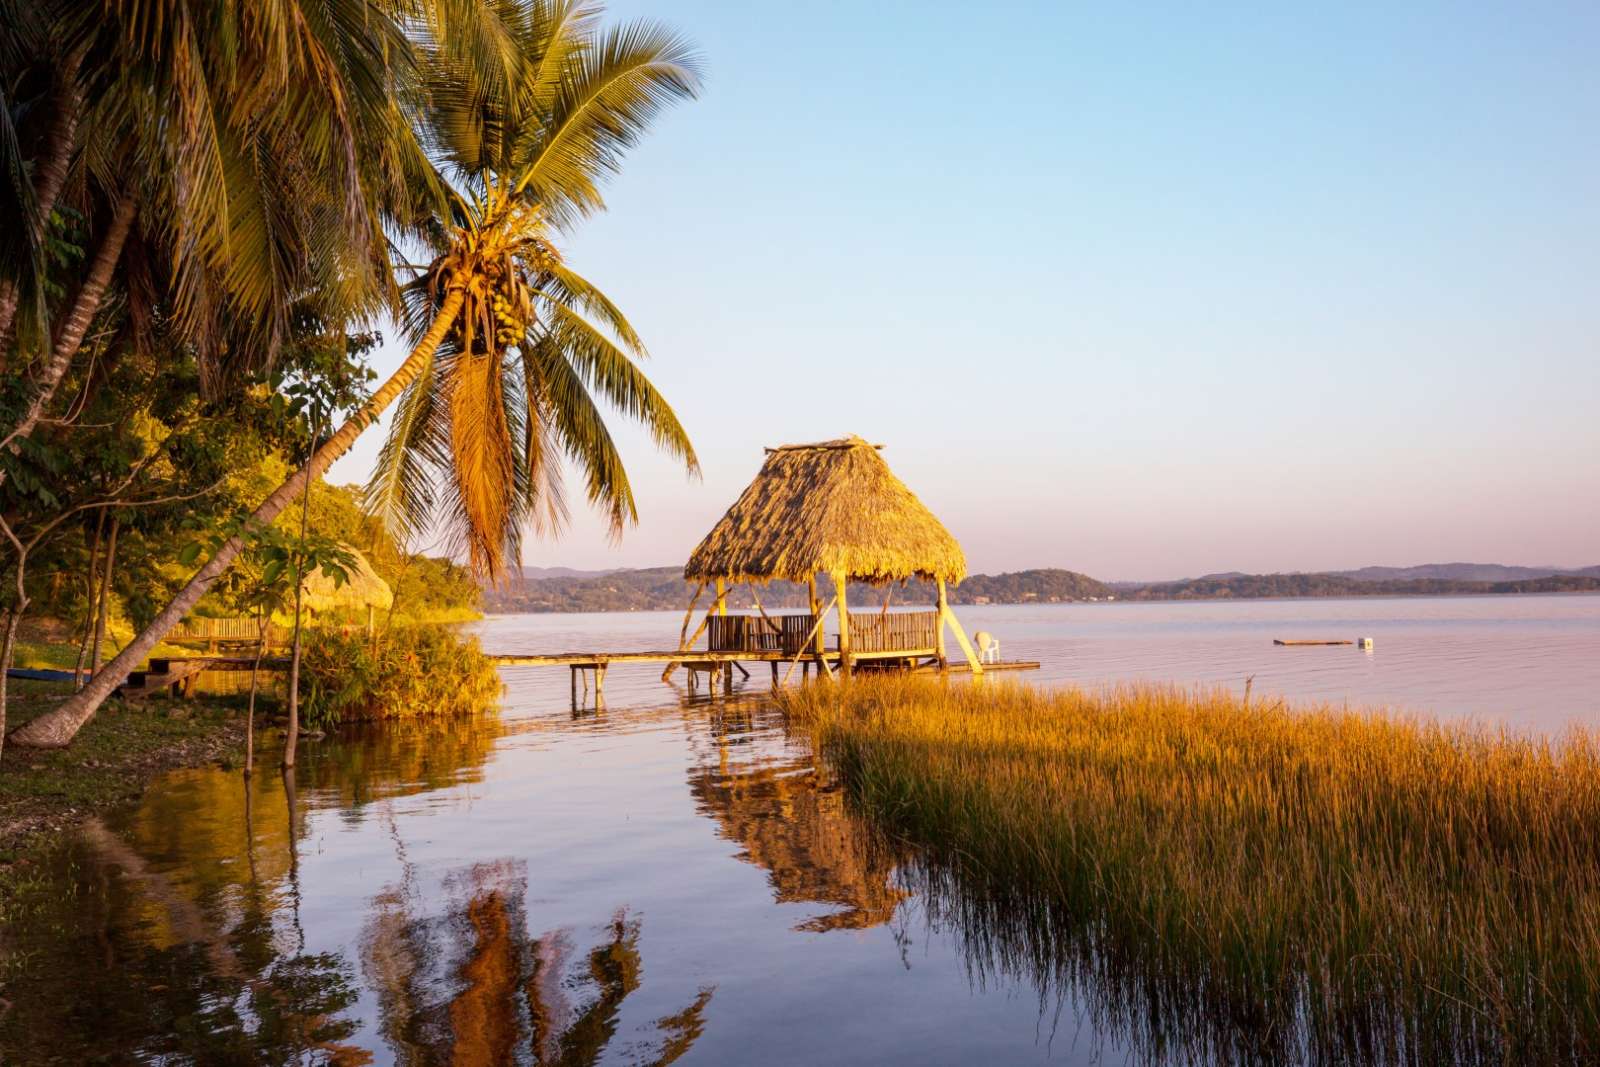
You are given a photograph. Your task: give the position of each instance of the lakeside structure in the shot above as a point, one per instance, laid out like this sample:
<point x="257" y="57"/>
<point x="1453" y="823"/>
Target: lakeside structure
<point x="832" y="510"/>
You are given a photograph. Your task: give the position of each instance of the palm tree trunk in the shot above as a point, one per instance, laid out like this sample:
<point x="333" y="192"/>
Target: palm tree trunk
<point x="70" y="336"/>
<point x="55" y="729"/>
<point x="52" y="175"/>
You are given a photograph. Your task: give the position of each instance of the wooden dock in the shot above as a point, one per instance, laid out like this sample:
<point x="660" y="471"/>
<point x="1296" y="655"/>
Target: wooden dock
<point x="1295" y="643"/>
<point x="174" y="674"/>
<point x="718" y="667"/>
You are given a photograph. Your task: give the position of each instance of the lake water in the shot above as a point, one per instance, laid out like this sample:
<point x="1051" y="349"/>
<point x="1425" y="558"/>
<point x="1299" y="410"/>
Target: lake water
<point x="1529" y="662"/>
<point x="663" y="879"/>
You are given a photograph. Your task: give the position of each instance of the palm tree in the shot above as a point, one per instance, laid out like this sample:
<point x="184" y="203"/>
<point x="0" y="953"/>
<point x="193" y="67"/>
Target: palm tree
<point x="510" y="343"/>
<point x="232" y="161"/>
<point x="481" y="432"/>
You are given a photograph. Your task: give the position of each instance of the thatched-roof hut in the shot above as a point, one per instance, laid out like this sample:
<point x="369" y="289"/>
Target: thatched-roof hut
<point x="362" y="588"/>
<point x="835" y="508"/>
<point x="829" y="508"/>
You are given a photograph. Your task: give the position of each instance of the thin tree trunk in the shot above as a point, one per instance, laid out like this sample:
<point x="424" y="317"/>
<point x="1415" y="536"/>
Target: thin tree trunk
<point x="70" y="335"/>
<point x="250" y="711"/>
<point x="56" y="729"/>
<point x="92" y="598"/>
<point x="13" y="618"/>
<point x="105" y="593"/>
<point x="50" y="177"/>
<point x="293" y="741"/>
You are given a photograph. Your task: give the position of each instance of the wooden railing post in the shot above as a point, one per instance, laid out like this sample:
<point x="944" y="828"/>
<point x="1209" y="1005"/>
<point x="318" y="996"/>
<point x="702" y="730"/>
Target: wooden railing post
<point x="840" y="580"/>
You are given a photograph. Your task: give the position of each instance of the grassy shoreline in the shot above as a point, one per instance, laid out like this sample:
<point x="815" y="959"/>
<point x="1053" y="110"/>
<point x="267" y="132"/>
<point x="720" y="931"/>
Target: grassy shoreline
<point x="110" y="763"/>
<point x="1273" y="879"/>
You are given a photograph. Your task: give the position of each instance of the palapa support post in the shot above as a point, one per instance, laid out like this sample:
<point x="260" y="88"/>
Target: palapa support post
<point x="966" y="646"/>
<point x="684" y="640"/>
<point x="722" y="596"/>
<point x="816" y="627"/>
<point x="816" y="609"/>
<point x="840" y="580"/>
<point x="943" y="604"/>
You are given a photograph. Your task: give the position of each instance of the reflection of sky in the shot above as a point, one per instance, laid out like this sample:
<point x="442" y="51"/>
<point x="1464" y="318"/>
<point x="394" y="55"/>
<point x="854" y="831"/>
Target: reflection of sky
<point x="1141" y="290"/>
<point x="601" y="815"/>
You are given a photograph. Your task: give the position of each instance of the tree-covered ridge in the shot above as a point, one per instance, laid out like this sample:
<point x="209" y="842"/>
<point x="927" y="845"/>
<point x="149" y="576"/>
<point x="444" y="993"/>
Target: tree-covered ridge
<point x="663" y="589"/>
<point x="1264" y="586"/>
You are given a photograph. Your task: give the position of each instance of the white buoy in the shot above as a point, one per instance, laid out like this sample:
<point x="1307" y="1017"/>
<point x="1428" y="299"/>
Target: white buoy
<point x="1365" y="644"/>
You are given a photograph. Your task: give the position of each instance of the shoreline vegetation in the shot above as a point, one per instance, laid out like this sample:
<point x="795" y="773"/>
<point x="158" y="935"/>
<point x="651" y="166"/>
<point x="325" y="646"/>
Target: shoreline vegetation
<point x="664" y="589"/>
<point x="410" y="673"/>
<point x="1245" y="883"/>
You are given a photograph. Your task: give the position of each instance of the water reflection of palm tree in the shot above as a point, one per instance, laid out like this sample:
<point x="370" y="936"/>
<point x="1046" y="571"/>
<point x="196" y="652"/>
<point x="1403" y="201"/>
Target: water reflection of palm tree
<point x="470" y="988"/>
<point x="793" y="821"/>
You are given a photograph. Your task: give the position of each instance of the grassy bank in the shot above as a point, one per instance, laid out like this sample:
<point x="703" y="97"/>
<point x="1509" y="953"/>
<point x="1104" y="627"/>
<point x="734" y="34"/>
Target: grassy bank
<point x="110" y="762"/>
<point x="410" y="672"/>
<point x="1227" y="882"/>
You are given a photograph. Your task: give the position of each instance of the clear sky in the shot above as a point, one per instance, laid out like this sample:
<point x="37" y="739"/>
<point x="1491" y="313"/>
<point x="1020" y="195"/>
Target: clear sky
<point x="1139" y="290"/>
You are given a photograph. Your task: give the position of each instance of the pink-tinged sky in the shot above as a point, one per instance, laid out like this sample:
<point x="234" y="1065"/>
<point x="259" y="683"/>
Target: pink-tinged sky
<point x="1142" y="293"/>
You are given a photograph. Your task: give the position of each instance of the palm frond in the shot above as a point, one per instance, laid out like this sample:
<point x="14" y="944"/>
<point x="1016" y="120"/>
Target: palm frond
<point x="482" y="461"/>
<point x="565" y="286"/>
<point x="400" y="492"/>
<point x="606" y="369"/>
<point x="541" y="491"/>
<point x="581" y="428"/>
<point x="607" y="102"/>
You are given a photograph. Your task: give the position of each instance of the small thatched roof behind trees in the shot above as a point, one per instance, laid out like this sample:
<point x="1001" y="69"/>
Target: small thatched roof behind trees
<point x="824" y="508"/>
<point x="362" y="588"/>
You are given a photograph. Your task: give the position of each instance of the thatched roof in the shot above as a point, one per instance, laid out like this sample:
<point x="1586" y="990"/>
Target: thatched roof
<point x="822" y="508"/>
<point x="361" y="588"/>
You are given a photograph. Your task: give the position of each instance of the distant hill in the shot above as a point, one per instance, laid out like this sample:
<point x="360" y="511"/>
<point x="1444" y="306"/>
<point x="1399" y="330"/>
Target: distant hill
<point x="541" y="573"/>
<point x="1259" y="586"/>
<point x="1463" y="572"/>
<point x="663" y="588"/>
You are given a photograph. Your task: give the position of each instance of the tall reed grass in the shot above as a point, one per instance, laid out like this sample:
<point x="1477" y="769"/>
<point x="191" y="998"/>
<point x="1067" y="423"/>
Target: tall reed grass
<point x="1222" y="883"/>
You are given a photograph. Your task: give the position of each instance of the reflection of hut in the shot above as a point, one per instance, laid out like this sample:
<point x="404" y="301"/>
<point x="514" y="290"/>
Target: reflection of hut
<point x="800" y="831"/>
<point x="361" y="589"/>
<point x="832" y="508"/>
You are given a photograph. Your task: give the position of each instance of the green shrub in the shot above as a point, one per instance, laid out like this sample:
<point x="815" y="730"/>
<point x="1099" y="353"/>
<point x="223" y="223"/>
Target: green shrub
<point x="410" y="671"/>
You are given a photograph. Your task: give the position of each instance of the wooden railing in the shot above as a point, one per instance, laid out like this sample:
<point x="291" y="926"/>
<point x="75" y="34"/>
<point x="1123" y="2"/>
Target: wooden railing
<point x="895" y="631"/>
<point x="752" y="633"/>
<point x="218" y="634"/>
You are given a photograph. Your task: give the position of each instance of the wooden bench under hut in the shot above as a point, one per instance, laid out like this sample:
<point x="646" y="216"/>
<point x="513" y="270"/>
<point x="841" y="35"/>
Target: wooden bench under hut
<point x="834" y="510"/>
